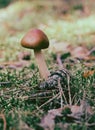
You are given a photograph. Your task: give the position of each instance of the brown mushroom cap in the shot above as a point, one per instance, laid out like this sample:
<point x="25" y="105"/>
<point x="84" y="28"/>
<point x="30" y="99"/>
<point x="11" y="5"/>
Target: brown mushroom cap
<point x="35" y="39"/>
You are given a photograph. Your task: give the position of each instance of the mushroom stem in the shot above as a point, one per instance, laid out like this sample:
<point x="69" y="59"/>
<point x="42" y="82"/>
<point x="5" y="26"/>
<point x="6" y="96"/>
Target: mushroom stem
<point x="44" y="72"/>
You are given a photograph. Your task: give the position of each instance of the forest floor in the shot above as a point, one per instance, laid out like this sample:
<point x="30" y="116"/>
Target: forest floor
<point x="27" y="102"/>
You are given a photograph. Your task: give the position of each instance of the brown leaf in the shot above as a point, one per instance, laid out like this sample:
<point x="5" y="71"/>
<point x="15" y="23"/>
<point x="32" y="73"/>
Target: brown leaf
<point x="89" y="64"/>
<point x="59" y="61"/>
<point x="78" y="111"/>
<point x="2" y="116"/>
<point x="88" y="73"/>
<point x="75" y="114"/>
<point x="47" y="121"/>
<point x="75" y="109"/>
<point x="60" y="47"/>
<point x="15" y="64"/>
<point x="24" y="126"/>
<point x="89" y="58"/>
<point x="80" y="52"/>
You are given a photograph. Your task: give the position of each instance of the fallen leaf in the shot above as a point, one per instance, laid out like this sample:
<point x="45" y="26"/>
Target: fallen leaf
<point x="92" y="52"/>
<point x="60" y="47"/>
<point x="88" y="73"/>
<point x="24" y="126"/>
<point x="89" y="58"/>
<point x="80" y="52"/>
<point x="89" y="64"/>
<point x="47" y="121"/>
<point x="2" y="116"/>
<point x="73" y="113"/>
<point x="15" y="64"/>
<point x="79" y="111"/>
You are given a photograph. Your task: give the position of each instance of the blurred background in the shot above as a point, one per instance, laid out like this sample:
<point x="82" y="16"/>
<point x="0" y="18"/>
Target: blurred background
<point x="64" y="21"/>
<point x="61" y="5"/>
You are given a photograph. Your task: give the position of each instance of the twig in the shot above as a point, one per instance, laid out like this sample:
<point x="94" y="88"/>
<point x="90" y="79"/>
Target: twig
<point x="73" y="98"/>
<point x="26" y="97"/>
<point x="49" y="100"/>
<point x="59" y="61"/>
<point x="46" y="103"/>
<point x="69" y="91"/>
<point x="62" y="93"/>
<point x="64" y="71"/>
<point x="5" y="83"/>
<point x="91" y="124"/>
<point x="4" y="120"/>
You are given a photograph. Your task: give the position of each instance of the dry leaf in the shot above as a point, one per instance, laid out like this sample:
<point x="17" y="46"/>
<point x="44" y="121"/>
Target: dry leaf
<point x="89" y="64"/>
<point x="60" y="47"/>
<point x="76" y="114"/>
<point x="15" y="64"/>
<point x="47" y="121"/>
<point x="88" y="73"/>
<point x="80" y="52"/>
<point x="2" y="116"/>
<point x="24" y="126"/>
<point x="78" y="111"/>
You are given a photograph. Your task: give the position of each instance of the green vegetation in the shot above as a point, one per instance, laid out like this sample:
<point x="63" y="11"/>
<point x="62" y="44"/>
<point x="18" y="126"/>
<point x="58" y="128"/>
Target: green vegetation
<point x="22" y="101"/>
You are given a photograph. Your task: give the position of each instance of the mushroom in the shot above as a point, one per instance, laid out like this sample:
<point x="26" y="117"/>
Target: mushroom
<point x="37" y="40"/>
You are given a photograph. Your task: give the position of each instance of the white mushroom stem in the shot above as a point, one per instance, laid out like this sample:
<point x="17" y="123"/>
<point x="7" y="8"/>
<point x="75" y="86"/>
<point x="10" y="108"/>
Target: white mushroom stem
<point x="44" y="72"/>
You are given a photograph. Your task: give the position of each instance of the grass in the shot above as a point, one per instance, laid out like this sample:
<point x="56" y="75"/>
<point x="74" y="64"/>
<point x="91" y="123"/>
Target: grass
<point x="21" y="99"/>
